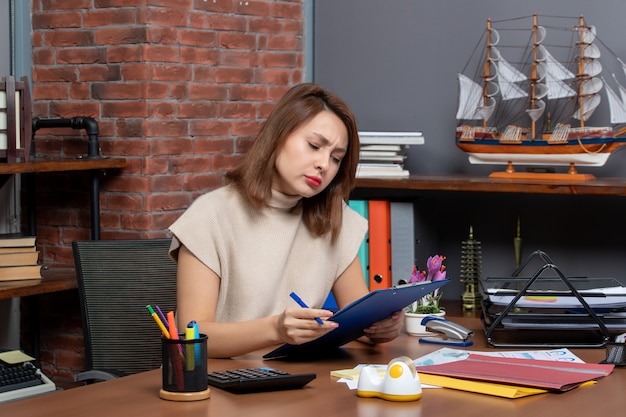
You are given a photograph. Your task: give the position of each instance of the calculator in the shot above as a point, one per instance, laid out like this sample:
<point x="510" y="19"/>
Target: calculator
<point x="257" y="380"/>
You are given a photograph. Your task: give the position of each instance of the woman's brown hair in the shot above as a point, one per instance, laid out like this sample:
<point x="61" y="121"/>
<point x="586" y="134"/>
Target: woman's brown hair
<point x="322" y="213"/>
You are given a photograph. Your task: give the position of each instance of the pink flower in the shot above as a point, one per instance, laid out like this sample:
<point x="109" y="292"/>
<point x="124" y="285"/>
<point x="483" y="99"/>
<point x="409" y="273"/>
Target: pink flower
<point x="417" y="276"/>
<point x="436" y="271"/>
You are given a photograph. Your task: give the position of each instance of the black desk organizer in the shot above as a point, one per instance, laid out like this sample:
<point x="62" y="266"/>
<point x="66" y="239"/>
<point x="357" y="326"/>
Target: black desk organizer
<point x="513" y="326"/>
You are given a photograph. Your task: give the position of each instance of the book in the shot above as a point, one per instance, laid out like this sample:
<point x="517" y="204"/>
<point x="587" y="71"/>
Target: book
<point x="16" y="273"/>
<point x="13" y="240"/>
<point x="18" y="249"/>
<point x="379" y="244"/>
<point x="391" y="138"/>
<point x="381" y="170"/>
<point x="19" y="258"/>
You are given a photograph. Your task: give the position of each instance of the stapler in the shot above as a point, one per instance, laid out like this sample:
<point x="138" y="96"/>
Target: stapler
<point x="457" y="335"/>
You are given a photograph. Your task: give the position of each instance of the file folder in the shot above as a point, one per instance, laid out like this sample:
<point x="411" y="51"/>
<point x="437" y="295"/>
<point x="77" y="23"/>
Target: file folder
<point x="369" y="309"/>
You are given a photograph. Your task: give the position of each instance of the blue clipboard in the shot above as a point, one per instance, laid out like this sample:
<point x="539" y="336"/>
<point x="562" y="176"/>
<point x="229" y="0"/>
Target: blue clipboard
<point x="360" y="314"/>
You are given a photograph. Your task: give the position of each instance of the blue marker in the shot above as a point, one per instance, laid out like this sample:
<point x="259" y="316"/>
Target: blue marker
<point x="303" y="305"/>
<point x="196" y="334"/>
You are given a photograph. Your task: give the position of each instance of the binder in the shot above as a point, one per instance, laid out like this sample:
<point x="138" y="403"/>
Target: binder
<point x="402" y="241"/>
<point x="379" y="244"/>
<point x="360" y="206"/>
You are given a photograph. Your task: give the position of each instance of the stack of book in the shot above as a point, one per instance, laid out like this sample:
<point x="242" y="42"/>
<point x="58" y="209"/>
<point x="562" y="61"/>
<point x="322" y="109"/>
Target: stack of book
<point x="18" y="257"/>
<point x="383" y="153"/>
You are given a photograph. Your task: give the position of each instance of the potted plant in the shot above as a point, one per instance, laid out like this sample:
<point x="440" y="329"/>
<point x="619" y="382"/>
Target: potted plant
<point x="428" y="305"/>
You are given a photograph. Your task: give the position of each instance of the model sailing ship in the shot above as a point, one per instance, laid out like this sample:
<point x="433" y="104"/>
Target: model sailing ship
<point x="535" y="112"/>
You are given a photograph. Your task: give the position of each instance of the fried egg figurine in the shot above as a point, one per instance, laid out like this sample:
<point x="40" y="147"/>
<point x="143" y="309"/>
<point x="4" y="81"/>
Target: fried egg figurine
<point x="399" y="383"/>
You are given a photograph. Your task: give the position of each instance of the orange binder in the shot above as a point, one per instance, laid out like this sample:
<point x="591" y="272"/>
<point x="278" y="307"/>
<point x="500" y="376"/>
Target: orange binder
<point x="379" y="244"/>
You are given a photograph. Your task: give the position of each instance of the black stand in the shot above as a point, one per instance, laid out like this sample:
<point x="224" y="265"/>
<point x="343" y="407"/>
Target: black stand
<point x="543" y="320"/>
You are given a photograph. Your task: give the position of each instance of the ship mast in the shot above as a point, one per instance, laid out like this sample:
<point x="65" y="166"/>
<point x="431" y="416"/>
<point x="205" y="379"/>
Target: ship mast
<point x="581" y="71"/>
<point x="533" y="78"/>
<point x="487" y="69"/>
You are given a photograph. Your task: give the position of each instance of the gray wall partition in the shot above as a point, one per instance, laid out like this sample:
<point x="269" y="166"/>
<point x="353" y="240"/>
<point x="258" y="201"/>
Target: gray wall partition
<point x="395" y="63"/>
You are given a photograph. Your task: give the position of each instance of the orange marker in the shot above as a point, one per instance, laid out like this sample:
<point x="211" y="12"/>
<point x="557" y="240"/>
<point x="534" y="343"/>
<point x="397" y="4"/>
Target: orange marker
<point x="171" y="324"/>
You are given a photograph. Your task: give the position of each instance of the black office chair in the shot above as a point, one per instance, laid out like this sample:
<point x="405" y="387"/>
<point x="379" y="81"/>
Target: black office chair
<point x="116" y="280"/>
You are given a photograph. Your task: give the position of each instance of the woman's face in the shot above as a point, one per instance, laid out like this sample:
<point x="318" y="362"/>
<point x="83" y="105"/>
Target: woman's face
<point x="311" y="156"/>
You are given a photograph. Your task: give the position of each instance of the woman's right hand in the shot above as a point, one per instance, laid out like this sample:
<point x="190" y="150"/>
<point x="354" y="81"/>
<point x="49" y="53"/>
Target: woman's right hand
<point x="298" y="325"/>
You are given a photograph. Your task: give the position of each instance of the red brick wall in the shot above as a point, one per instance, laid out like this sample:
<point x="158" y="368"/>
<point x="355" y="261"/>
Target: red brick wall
<point x="178" y="87"/>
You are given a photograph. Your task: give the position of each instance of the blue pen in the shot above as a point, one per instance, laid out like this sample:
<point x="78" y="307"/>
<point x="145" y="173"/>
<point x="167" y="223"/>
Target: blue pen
<point x="303" y="305"/>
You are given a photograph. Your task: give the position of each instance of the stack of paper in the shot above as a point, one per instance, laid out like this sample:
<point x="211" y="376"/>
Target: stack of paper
<point x="383" y="153"/>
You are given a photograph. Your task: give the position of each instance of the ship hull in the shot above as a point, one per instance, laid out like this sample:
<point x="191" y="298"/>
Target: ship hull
<point x="593" y="151"/>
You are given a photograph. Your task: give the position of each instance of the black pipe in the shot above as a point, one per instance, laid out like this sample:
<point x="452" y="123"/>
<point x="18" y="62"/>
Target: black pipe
<point x="77" y="122"/>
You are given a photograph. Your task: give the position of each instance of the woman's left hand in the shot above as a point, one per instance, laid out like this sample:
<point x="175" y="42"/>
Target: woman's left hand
<point x="387" y="329"/>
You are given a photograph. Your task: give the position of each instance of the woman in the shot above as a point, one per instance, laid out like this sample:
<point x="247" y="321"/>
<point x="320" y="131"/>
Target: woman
<point x="280" y="225"/>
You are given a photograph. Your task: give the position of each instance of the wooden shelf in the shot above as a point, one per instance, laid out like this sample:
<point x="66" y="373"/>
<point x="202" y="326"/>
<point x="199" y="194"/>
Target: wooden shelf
<point x="61" y="164"/>
<point x="53" y="280"/>
<point x="603" y="186"/>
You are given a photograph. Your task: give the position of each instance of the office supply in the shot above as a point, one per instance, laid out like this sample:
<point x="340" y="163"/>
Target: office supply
<point x="117" y="279"/>
<point x="360" y="206"/>
<point x="19" y="378"/>
<point x="258" y="379"/>
<point x="379" y="244"/>
<point x="352" y="319"/>
<point x="616" y="351"/>
<point x="550" y="375"/>
<point x="196" y="335"/>
<point x="402" y="235"/>
<point x="158" y="321"/>
<point x="161" y="316"/>
<point x="399" y="382"/>
<point x="171" y="325"/>
<point x="180" y="381"/>
<point x="190" y="354"/>
<point x="302" y="304"/>
<point x="456" y="334"/>
<point x="584" y="326"/>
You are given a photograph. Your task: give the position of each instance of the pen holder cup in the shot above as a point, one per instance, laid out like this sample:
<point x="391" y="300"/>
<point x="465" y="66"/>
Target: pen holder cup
<point x="184" y="369"/>
<point x="615" y="353"/>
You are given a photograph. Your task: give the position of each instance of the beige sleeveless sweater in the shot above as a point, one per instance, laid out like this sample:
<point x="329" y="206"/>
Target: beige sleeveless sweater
<point x="261" y="257"/>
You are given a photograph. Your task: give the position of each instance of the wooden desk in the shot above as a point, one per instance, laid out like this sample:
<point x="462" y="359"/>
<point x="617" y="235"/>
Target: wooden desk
<point x="137" y="395"/>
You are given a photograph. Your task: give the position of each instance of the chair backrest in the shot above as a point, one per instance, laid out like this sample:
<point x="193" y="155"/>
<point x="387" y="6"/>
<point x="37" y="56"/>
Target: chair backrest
<point x="116" y="280"/>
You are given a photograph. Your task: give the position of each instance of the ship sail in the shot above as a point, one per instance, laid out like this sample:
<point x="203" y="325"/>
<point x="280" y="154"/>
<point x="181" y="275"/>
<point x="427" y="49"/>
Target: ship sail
<point x="507" y="77"/>
<point x="554" y="75"/>
<point x="590" y="86"/>
<point x="617" y="108"/>
<point x="471" y="101"/>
